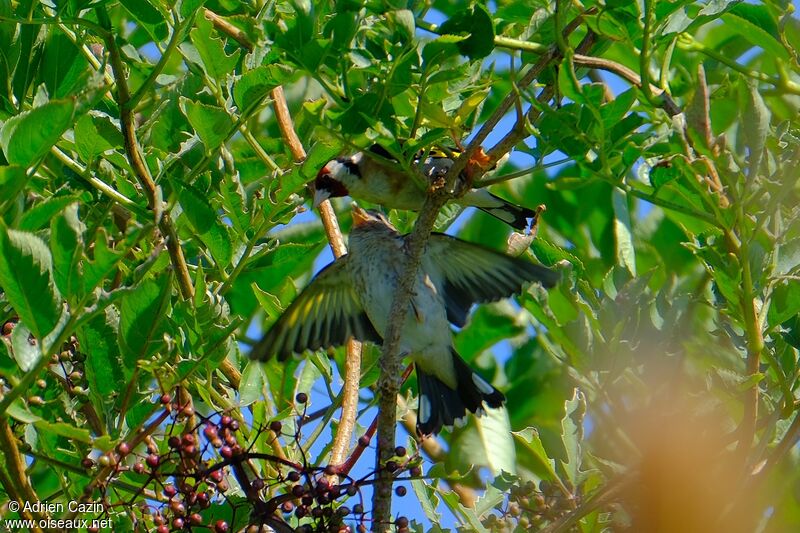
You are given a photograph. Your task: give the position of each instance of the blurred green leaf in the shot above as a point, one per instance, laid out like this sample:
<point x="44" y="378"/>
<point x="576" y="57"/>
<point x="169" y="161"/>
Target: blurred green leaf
<point x="476" y="23"/>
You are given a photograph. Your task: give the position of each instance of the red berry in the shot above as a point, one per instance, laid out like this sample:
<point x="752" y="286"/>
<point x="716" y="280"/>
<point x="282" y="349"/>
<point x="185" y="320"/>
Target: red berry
<point x="166" y="398"/>
<point x="220" y="526"/>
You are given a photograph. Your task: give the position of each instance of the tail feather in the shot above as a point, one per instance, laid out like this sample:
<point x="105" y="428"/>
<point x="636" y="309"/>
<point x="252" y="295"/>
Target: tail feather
<point x="518" y="217"/>
<point x="439" y="405"/>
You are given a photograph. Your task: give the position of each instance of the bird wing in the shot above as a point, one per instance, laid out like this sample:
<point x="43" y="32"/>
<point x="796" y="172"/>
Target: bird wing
<point x="467" y="273"/>
<point x="326" y="313"/>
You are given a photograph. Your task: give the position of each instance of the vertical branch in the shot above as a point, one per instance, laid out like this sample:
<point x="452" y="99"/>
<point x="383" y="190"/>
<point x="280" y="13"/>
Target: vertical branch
<point x="391" y="360"/>
<point x="755" y="345"/>
<point x="16" y="468"/>
<point x="352" y="364"/>
<point x="138" y="164"/>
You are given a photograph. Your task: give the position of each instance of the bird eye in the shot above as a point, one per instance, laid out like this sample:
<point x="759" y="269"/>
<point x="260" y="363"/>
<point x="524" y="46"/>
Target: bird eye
<point x="351" y="167"/>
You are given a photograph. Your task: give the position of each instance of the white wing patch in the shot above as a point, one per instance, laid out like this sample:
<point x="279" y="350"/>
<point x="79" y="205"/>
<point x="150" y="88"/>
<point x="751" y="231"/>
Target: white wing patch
<point x="424" y="409"/>
<point x="479" y="382"/>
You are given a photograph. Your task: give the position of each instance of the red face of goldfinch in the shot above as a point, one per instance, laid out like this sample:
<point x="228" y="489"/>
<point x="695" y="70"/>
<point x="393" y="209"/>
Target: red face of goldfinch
<point x="351" y="298"/>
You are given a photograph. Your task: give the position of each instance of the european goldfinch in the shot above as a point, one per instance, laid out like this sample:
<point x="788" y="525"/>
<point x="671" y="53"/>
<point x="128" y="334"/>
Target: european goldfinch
<point x="352" y="297"/>
<point x="377" y="178"/>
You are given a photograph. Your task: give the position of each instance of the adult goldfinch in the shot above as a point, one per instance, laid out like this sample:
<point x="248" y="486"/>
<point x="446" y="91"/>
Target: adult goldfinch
<point x="352" y="297"/>
<point x="376" y="177"/>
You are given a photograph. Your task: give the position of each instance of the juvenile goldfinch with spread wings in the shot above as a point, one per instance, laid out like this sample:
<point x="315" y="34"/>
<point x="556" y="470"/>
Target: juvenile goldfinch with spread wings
<point x="375" y="176"/>
<point x="352" y="297"/>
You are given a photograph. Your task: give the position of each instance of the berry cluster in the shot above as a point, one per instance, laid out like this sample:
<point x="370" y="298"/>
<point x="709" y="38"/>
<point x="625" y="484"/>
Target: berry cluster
<point x="531" y="509"/>
<point x="190" y="468"/>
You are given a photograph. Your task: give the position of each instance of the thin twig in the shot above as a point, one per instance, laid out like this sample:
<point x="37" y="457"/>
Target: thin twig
<point x="352" y="363"/>
<point x="16" y="465"/>
<point x="667" y="103"/>
<point x="138" y="164"/>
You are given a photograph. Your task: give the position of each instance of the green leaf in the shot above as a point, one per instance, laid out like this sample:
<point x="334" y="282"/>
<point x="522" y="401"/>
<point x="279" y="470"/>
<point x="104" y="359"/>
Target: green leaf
<point x="477" y="23"/>
<point x="27" y="280"/>
<point x="150" y="18"/>
<point x="64" y="430"/>
<point x="12" y="180"/>
<point x="427" y="499"/>
<point x="216" y="63"/>
<point x="294" y="181"/>
<point x="785" y="302"/>
<point x="496" y="493"/>
<point x="26" y="349"/>
<point x="64" y="70"/>
<point x="494" y="429"/>
<point x="488" y="325"/>
<point x="26" y="137"/>
<point x="142" y="320"/>
<point x="251" y="387"/>
<point x="212" y="123"/>
<point x="755" y="123"/>
<point x="572" y="435"/>
<point x="96" y="133"/>
<point x="105" y="373"/>
<point x="529" y="438"/>
<point x="43" y="212"/>
<point x="623" y="233"/>
<point x="756" y="24"/>
<point x="206" y="223"/>
<point x="254" y="85"/>
<point x="468" y="515"/>
<point x="66" y="245"/>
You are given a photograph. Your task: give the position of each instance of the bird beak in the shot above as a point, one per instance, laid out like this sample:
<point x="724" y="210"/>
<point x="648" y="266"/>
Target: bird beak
<point x="320" y="195"/>
<point x="360" y="216"/>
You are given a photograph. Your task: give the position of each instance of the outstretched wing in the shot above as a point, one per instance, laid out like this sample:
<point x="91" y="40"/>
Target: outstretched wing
<point x="327" y="313"/>
<point x="468" y="273"/>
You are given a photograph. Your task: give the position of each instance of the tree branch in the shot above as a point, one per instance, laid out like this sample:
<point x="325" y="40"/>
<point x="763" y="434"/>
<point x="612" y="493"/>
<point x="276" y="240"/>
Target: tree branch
<point x="16" y="468"/>
<point x="138" y="164"/>
<point x="352" y="363"/>
<point x="391" y="360"/>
